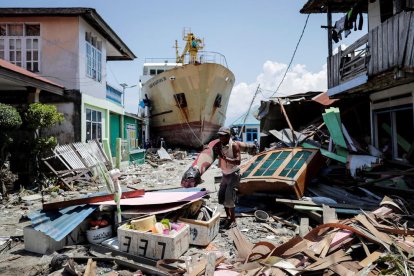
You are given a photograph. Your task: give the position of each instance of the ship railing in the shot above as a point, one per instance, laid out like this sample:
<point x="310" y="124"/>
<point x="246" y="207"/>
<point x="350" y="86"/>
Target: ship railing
<point x="202" y="57"/>
<point x="206" y="57"/>
<point x="160" y="60"/>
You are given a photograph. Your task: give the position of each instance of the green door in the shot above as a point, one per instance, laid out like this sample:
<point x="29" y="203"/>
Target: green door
<point x="115" y="131"/>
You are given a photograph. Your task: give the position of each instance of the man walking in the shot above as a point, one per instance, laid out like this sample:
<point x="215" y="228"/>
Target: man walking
<point x="228" y="153"/>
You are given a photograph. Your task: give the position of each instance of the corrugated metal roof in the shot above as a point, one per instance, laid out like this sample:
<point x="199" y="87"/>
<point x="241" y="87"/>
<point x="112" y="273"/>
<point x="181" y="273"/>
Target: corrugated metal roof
<point x="250" y="120"/>
<point x="58" y="224"/>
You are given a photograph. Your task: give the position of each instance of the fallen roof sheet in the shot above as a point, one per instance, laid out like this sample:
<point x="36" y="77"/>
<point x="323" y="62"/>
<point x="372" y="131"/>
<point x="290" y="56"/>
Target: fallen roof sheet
<point x="324" y="99"/>
<point x="58" y="224"/>
<point x="155" y="198"/>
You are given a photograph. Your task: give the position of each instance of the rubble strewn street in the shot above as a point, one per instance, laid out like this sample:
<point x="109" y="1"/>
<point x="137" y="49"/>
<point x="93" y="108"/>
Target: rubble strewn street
<point x="281" y="223"/>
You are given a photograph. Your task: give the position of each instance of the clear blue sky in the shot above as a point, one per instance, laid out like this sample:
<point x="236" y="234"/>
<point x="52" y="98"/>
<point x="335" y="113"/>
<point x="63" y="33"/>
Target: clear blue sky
<point x="247" y="32"/>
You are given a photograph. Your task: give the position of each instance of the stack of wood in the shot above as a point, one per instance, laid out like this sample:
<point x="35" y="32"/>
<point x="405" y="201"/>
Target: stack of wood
<point x="370" y="243"/>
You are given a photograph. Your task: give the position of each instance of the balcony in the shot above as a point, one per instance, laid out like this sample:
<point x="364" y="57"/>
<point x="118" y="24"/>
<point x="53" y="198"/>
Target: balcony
<point x="348" y="64"/>
<point x="384" y="49"/>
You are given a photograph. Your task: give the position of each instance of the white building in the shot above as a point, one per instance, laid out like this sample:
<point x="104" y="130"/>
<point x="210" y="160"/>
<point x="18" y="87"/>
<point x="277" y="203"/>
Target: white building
<point x="69" y="46"/>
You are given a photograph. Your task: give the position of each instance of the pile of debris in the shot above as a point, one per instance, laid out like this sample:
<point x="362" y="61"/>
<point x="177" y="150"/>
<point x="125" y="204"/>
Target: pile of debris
<point x="374" y="242"/>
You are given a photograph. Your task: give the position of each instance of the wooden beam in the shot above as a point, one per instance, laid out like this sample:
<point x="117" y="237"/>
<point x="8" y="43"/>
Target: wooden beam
<point x="311" y="203"/>
<point x="329" y="30"/>
<point x="338" y="210"/>
<point x="288" y="121"/>
<point x="87" y="200"/>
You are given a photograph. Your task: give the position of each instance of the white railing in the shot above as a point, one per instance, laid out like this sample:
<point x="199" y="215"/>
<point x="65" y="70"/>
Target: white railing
<point x="202" y="57"/>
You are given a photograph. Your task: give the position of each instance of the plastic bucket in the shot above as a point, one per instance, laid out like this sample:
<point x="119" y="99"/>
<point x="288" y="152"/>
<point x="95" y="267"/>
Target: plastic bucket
<point x="261" y="216"/>
<point x="99" y="235"/>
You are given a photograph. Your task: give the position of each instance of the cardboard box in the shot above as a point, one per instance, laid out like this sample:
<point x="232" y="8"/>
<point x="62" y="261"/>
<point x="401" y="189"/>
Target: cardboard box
<point x="154" y="246"/>
<point x="203" y="232"/>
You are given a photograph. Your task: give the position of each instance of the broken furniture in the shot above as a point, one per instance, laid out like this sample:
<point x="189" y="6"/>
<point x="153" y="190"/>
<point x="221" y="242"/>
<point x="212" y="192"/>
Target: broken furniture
<point x="280" y="170"/>
<point x="77" y="162"/>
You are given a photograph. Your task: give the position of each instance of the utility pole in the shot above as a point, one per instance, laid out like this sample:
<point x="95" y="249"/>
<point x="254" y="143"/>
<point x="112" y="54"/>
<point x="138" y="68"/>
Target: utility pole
<point x="124" y="86"/>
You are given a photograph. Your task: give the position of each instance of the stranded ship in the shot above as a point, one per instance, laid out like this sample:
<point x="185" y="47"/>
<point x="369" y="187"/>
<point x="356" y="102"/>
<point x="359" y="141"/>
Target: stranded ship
<point x="188" y="95"/>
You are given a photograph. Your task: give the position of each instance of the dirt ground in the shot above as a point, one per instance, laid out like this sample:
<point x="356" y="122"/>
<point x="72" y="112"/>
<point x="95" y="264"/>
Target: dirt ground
<point x="14" y="260"/>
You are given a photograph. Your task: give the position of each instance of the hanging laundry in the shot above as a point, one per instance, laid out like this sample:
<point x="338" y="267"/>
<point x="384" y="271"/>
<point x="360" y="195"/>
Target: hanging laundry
<point x="338" y="29"/>
<point x="351" y="17"/>
<point x="348" y="22"/>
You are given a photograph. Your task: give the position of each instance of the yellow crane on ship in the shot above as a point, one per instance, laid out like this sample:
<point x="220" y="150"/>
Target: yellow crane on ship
<point x="192" y="46"/>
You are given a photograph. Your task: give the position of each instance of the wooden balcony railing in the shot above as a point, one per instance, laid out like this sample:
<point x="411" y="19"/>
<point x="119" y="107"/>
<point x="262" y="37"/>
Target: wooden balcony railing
<point x="391" y="44"/>
<point x="388" y="46"/>
<point x="349" y="63"/>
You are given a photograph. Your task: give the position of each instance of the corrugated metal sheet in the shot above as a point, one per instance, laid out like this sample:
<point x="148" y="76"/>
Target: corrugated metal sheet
<point x="58" y="224"/>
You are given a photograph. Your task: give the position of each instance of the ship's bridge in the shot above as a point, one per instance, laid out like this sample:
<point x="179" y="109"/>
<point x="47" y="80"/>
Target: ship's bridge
<point x="156" y="66"/>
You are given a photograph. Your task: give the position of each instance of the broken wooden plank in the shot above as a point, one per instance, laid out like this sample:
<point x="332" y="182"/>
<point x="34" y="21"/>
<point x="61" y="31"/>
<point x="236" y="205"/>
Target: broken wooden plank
<point x="329" y="214"/>
<point x="326" y="153"/>
<point x="243" y="246"/>
<point x="304" y="227"/>
<point x="371" y="258"/>
<point x="285" y="222"/>
<point x="124" y="263"/>
<point x="291" y="203"/>
<point x="364" y="221"/>
<point x="364" y="246"/>
<point x="313" y="215"/>
<point x="288" y="121"/>
<point x="87" y="200"/>
<point x="57" y="174"/>
<point x="90" y="268"/>
<point x="316" y="208"/>
<point x="154" y="165"/>
<point x="211" y="264"/>
<point x="98" y="250"/>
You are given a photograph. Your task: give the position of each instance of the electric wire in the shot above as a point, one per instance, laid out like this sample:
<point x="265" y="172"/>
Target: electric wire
<point x="293" y="56"/>
<point x="260" y="90"/>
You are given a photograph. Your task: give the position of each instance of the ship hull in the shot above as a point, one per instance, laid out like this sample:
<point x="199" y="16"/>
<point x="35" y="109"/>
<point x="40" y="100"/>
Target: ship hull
<point x="189" y="103"/>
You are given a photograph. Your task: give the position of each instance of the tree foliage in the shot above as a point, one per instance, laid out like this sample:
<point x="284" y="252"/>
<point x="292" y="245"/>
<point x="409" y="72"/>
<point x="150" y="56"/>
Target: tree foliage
<point x="40" y="116"/>
<point x="9" y="121"/>
<point x="9" y="117"/>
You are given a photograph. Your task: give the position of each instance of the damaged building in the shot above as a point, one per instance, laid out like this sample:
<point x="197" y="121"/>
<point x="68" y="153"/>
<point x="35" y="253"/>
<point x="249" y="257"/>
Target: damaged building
<point x="304" y="113"/>
<point x="377" y="66"/>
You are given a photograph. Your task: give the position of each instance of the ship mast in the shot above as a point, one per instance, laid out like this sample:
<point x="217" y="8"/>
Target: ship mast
<point x="192" y="46"/>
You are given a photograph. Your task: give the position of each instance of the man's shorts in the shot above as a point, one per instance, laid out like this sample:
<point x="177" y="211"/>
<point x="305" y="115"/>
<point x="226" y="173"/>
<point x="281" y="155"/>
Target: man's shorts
<point x="227" y="193"/>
